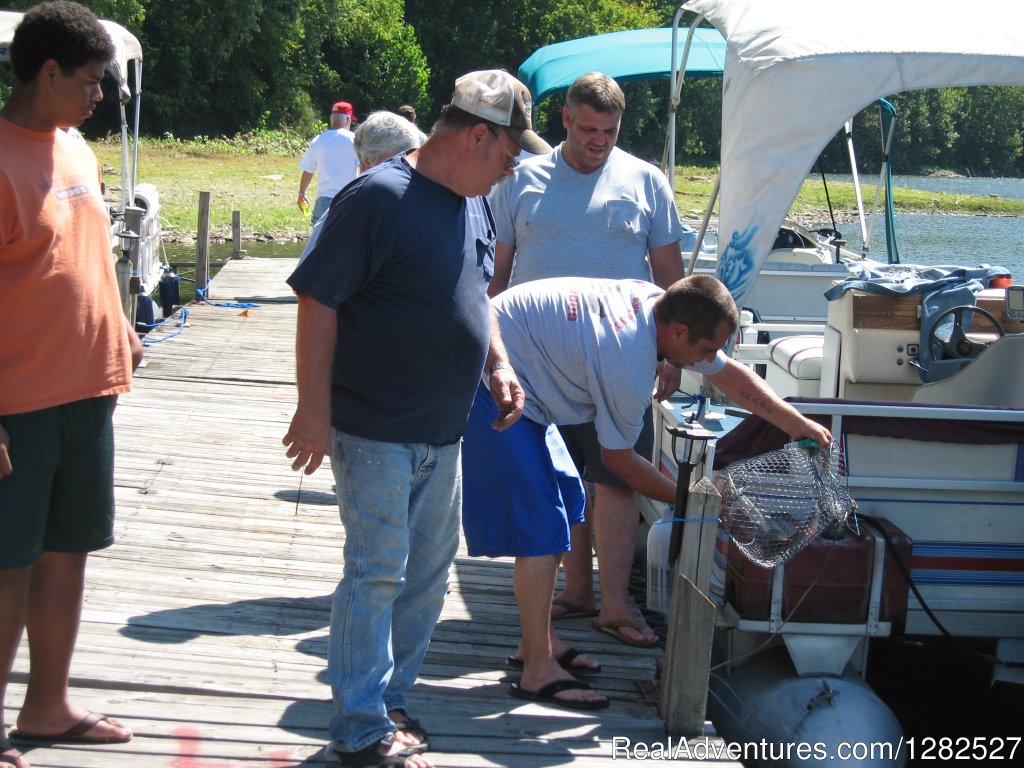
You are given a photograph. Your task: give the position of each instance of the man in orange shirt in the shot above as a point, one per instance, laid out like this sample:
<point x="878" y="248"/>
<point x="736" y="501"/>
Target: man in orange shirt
<point x="66" y="352"/>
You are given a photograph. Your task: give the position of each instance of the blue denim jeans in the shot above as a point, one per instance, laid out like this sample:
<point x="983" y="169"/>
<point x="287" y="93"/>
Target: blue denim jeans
<point x="401" y="506"/>
<point x="320" y="207"/>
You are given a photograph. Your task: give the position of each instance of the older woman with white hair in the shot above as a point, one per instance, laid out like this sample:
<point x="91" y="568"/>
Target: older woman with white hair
<point x="383" y="135"/>
<point x="380" y="137"/>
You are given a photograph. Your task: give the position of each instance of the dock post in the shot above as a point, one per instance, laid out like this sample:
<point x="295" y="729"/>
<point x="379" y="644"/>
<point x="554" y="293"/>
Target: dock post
<point x="236" y="236"/>
<point x="203" y="242"/>
<point x="691" y="621"/>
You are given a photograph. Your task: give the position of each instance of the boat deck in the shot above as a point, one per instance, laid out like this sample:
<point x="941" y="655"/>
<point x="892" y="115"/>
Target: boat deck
<point x="205" y="626"/>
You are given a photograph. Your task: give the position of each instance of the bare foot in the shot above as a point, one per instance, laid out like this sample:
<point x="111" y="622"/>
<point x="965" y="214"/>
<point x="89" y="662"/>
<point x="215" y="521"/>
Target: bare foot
<point x="85" y="726"/>
<point x="536" y="675"/>
<point x="408" y="731"/>
<point x="566" y="606"/>
<point x="9" y="756"/>
<point x="630" y="629"/>
<point x="395" y="747"/>
<point x="417" y="760"/>
<point x="578" y="663"/>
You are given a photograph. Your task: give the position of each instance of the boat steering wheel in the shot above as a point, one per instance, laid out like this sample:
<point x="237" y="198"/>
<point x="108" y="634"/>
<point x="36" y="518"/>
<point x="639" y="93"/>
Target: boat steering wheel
<point x="958" y="346"/>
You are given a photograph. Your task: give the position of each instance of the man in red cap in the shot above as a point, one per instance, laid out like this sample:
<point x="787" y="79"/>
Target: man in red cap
<point x="332" y="155"/>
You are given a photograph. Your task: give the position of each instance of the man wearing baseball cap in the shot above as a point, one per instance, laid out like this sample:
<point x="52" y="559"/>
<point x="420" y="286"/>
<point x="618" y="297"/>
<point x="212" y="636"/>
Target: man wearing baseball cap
<point x="394" y="334"/>
<point x="332" y="156"/>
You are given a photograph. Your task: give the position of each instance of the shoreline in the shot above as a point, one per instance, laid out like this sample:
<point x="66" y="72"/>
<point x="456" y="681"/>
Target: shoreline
<point x="807" y="219"/>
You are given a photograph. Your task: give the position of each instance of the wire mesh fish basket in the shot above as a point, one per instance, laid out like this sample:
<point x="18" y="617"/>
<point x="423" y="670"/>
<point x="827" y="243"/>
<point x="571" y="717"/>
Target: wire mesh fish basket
<point x="775" y="503"/>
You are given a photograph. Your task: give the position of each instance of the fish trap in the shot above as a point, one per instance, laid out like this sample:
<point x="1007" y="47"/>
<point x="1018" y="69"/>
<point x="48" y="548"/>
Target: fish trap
<point x="775" y="503"/>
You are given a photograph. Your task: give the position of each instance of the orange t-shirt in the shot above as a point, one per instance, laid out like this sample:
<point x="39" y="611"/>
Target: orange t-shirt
<point x="62" y="330"/>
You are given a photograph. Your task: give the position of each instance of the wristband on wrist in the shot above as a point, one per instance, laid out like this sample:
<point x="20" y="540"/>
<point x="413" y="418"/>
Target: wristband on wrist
<point x="500" y="367"/>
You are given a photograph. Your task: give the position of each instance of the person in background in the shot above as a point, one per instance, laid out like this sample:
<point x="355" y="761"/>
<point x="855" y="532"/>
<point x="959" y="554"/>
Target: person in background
<point x="586" y="350"/>
<point x="381" y="136"/>
<point x="409" y="114"/>
<point x="394" y="330"/>
<point x="591" y="209"/>
<point x="331" y="156"/>
<point x="60" y="371"/>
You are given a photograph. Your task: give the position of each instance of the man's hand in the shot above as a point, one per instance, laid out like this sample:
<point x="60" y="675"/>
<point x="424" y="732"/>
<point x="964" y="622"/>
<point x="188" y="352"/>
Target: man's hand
<point x="508" y="396"/>
<point x="813" y="430"/>
<point x="668" y="380"/>
<point x="6" y="468"/>
<point x="308" y="440"/>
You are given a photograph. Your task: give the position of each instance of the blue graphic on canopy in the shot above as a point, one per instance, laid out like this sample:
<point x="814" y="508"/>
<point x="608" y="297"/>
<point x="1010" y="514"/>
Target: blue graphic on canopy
<point x="736" y="267"/>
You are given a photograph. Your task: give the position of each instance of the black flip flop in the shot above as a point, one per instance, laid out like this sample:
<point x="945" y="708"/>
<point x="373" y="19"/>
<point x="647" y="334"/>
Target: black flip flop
<point x="565" y="660"/>
<point x="370" y="757"/>
<point x="546" y="695"/>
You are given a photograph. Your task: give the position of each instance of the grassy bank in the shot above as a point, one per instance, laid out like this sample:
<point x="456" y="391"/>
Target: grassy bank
<point x="261" y="185"/>
<point x="259" y="176"/>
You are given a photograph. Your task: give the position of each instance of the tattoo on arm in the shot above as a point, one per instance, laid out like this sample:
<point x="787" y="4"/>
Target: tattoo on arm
<point x="757" y="401"/>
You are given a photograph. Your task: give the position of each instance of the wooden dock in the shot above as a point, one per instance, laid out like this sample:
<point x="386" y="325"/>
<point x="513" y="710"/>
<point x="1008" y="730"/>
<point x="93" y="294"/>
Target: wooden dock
<point x="205" y="625"/>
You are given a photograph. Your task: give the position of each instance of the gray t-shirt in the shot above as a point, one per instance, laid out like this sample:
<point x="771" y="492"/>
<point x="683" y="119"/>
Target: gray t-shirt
<point x="584" y="350"/>
<point x="600" y="224"/>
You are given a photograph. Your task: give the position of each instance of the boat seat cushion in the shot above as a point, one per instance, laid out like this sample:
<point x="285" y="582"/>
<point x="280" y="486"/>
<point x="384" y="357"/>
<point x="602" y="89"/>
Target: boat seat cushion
<point x="799" y="356"/>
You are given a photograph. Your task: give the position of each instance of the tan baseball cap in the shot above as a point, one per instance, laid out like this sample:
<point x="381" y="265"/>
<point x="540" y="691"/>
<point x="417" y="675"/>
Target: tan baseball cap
<point x="497" y="97"/>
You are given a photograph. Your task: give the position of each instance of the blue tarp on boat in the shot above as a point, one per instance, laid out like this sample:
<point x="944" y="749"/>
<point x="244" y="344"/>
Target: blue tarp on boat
<point x="635" y="54"/>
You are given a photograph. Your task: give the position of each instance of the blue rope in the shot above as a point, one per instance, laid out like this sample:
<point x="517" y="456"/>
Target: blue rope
<point x="201" y="293"/>
<point x="701" y="401"/>
<point x="181" y="327"/>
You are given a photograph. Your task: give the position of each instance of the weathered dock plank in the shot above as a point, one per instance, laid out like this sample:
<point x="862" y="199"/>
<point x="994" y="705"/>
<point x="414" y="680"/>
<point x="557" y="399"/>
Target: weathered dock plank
<point x="205" y="626"/>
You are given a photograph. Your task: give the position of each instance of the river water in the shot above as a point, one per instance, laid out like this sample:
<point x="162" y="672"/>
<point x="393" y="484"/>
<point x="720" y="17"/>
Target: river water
<point x="941" y="239"/>
<point x="922" y="238"/>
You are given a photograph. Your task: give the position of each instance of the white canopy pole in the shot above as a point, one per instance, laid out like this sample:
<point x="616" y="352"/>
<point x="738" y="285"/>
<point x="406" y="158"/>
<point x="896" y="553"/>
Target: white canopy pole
<point x="848" y="126"/>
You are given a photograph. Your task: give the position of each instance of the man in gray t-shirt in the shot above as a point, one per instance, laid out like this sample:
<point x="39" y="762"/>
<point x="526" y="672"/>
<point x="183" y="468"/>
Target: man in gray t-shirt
<point x="585" y="349"/>
<point x="590" y="209"/>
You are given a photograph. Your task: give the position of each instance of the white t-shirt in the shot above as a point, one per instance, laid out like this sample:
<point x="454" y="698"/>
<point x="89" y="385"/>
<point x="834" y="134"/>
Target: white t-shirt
<point x="332" y="157"/>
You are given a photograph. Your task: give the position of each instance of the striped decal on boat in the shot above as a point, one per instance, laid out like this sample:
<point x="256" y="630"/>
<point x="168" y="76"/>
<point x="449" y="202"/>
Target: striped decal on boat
<point x="969" y="563"/>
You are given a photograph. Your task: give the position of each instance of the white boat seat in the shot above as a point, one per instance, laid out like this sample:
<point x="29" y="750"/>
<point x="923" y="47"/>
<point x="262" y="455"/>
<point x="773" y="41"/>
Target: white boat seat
<point x="995" y="378"/>
<point x="794" y="367"/>
<point x="799" y="356"/>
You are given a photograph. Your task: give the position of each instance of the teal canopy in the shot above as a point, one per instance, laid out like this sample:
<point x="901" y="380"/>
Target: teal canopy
<point x="636" y="54"/>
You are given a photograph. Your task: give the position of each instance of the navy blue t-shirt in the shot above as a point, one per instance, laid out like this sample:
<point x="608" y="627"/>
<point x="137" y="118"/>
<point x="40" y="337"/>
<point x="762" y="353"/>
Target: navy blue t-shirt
<point x="405" y="262"/>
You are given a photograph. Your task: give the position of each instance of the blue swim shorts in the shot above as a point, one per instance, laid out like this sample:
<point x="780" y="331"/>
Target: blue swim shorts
<point x="521" y="491"/>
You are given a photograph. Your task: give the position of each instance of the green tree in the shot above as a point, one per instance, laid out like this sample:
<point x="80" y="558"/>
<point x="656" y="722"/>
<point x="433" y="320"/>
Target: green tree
<point x="988" y="140"/>
<point x="366" y="55"/>
<point x="224" y="66"/>
<point x="502" y="36"/>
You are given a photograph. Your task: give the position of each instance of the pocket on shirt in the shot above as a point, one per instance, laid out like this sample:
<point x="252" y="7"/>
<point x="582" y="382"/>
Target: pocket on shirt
<point x="622" y="217"/>
<point x="485" y="257"/>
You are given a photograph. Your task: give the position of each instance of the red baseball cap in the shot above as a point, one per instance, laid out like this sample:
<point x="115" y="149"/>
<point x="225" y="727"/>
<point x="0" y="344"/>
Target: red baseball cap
<point x="343" y="108"/>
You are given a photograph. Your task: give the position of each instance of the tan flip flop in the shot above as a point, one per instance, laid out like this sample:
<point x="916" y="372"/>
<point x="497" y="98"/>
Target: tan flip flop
<point x="614" y="628"/>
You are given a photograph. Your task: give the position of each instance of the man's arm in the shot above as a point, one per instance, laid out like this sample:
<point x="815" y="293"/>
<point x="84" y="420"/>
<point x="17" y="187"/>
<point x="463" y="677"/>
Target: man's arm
<point x="309" y="435"/>
<point x="135" y="349"/>
<point x="639" y="474"/>
<point x="666" y="268"/>
<point x="505" y="387"/>
<point x="5" y="457"/>
<point x="750" y="392"/>
<point x="666" y="265"/>
<point x="134" y="345"/>
<point x="504" y="256"/>
<point x="303" y="185"/>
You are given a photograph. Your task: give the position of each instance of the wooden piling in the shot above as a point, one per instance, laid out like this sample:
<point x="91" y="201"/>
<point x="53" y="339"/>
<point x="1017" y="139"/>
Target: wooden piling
<point x="691" y="625"/>
<point x="236" y="236"/>
<point x="203" y="242"/>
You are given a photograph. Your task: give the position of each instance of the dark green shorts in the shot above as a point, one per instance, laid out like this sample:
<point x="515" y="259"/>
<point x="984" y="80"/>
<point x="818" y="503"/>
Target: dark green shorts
<point x="60" y="497"/>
